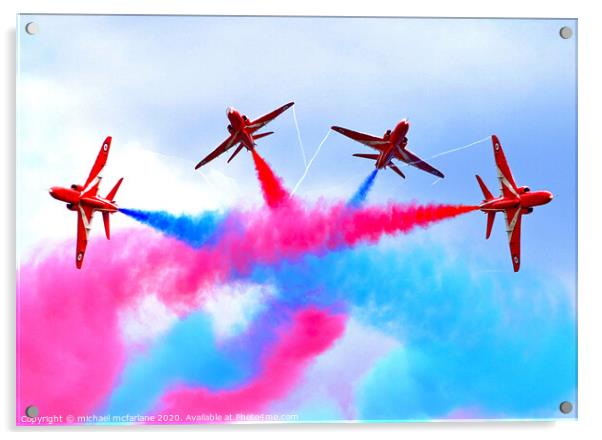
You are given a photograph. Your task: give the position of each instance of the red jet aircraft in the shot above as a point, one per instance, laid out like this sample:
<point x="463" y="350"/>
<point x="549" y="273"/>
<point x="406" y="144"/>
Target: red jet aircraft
<point x="514" y="202"/>
<point x="84" y="199"/>
<point x="242" y="132"/>
<point x="391" y="146"/>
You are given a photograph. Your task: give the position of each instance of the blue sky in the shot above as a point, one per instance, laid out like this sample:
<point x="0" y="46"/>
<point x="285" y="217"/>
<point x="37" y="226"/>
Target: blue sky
<point x="165" y="82"/>
<point x="161" y="85"/>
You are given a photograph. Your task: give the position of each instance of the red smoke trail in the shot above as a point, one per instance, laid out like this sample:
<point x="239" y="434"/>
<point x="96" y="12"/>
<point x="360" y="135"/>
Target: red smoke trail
<point x="69" y="345"/>
<point x="271" y="185"/>
<point x="312" y="332"/>
<point x="70" y="350"/>
<point x="290" y="231"/>
<point x="372" y="223"/>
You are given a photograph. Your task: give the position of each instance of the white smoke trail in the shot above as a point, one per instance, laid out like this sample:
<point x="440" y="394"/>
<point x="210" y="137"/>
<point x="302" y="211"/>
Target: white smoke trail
<point x="299" y="138"/>
<point x="310" y="163"/>
<point x="453" y="150"/>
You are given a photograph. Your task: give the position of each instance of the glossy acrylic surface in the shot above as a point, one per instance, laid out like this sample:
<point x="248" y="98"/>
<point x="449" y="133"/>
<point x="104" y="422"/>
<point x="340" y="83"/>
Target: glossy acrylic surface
<point x="296" y="283"/>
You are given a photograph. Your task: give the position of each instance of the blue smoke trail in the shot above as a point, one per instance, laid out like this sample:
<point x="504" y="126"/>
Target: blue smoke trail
<point x="500" y="344"/>
<point x="187" y="354"/>
<point x="190" y="354"/>
<point x="503" y="344"/>
<point x="360" y="196"/>
<point x="195" y="230"/>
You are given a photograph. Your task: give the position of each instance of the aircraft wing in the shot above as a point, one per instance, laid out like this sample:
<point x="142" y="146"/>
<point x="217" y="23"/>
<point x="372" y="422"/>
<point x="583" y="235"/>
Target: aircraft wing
<point x="84" y="219"/>
<point x="100" y="162"/>
<point x="507" y="185"/>
<point x="411" y="159"/>
<point x="265" y="119"/>
<point x="223" y="147"/>
<point x="513" y="225"/>
<point x="363" y="138"/>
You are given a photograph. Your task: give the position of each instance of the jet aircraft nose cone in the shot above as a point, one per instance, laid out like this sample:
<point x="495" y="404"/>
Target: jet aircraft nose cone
<point x="550" y="195"/>
<point x="53" y="191"/>
<point x="229" y="110"/>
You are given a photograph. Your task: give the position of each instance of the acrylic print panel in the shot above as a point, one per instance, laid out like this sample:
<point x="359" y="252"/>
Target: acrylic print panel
<point x="336" y="269"/>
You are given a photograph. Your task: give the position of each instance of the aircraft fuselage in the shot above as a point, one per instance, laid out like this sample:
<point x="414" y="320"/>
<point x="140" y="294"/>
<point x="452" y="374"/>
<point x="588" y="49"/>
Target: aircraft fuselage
<point x="525" y="199"/>
<point x="397" y="142"/>
<point x="73" y="198"/>
<point x="238" y="127"/>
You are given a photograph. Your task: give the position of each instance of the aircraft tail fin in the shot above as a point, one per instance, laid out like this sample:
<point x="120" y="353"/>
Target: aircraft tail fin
<point x="235" y="152"/>
<point x="490" y="219"/>
<point x="106" y="221"/>
<point x="397" y="170"/>
<point x="262" y="135"/>
<point x="486" y="193"/>
<point x="111" y="195"/>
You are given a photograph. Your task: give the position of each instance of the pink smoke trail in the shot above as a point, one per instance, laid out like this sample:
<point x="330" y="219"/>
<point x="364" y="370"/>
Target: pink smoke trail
<point x="69" y="348"/>
<point x="311" y="332"/>
<point x="271" y="185"/>
<point x="289" y="231"/>
<point x="181" y="276"/>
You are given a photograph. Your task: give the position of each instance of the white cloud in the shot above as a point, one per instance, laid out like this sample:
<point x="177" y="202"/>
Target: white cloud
<point x="145" y="320"/>
<point x="232" y="306"/>
<point x="133" y="78"/>
<point x="357" y="350"/>
<point x="54" y="152"/>
<point x="160" y="182"/>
